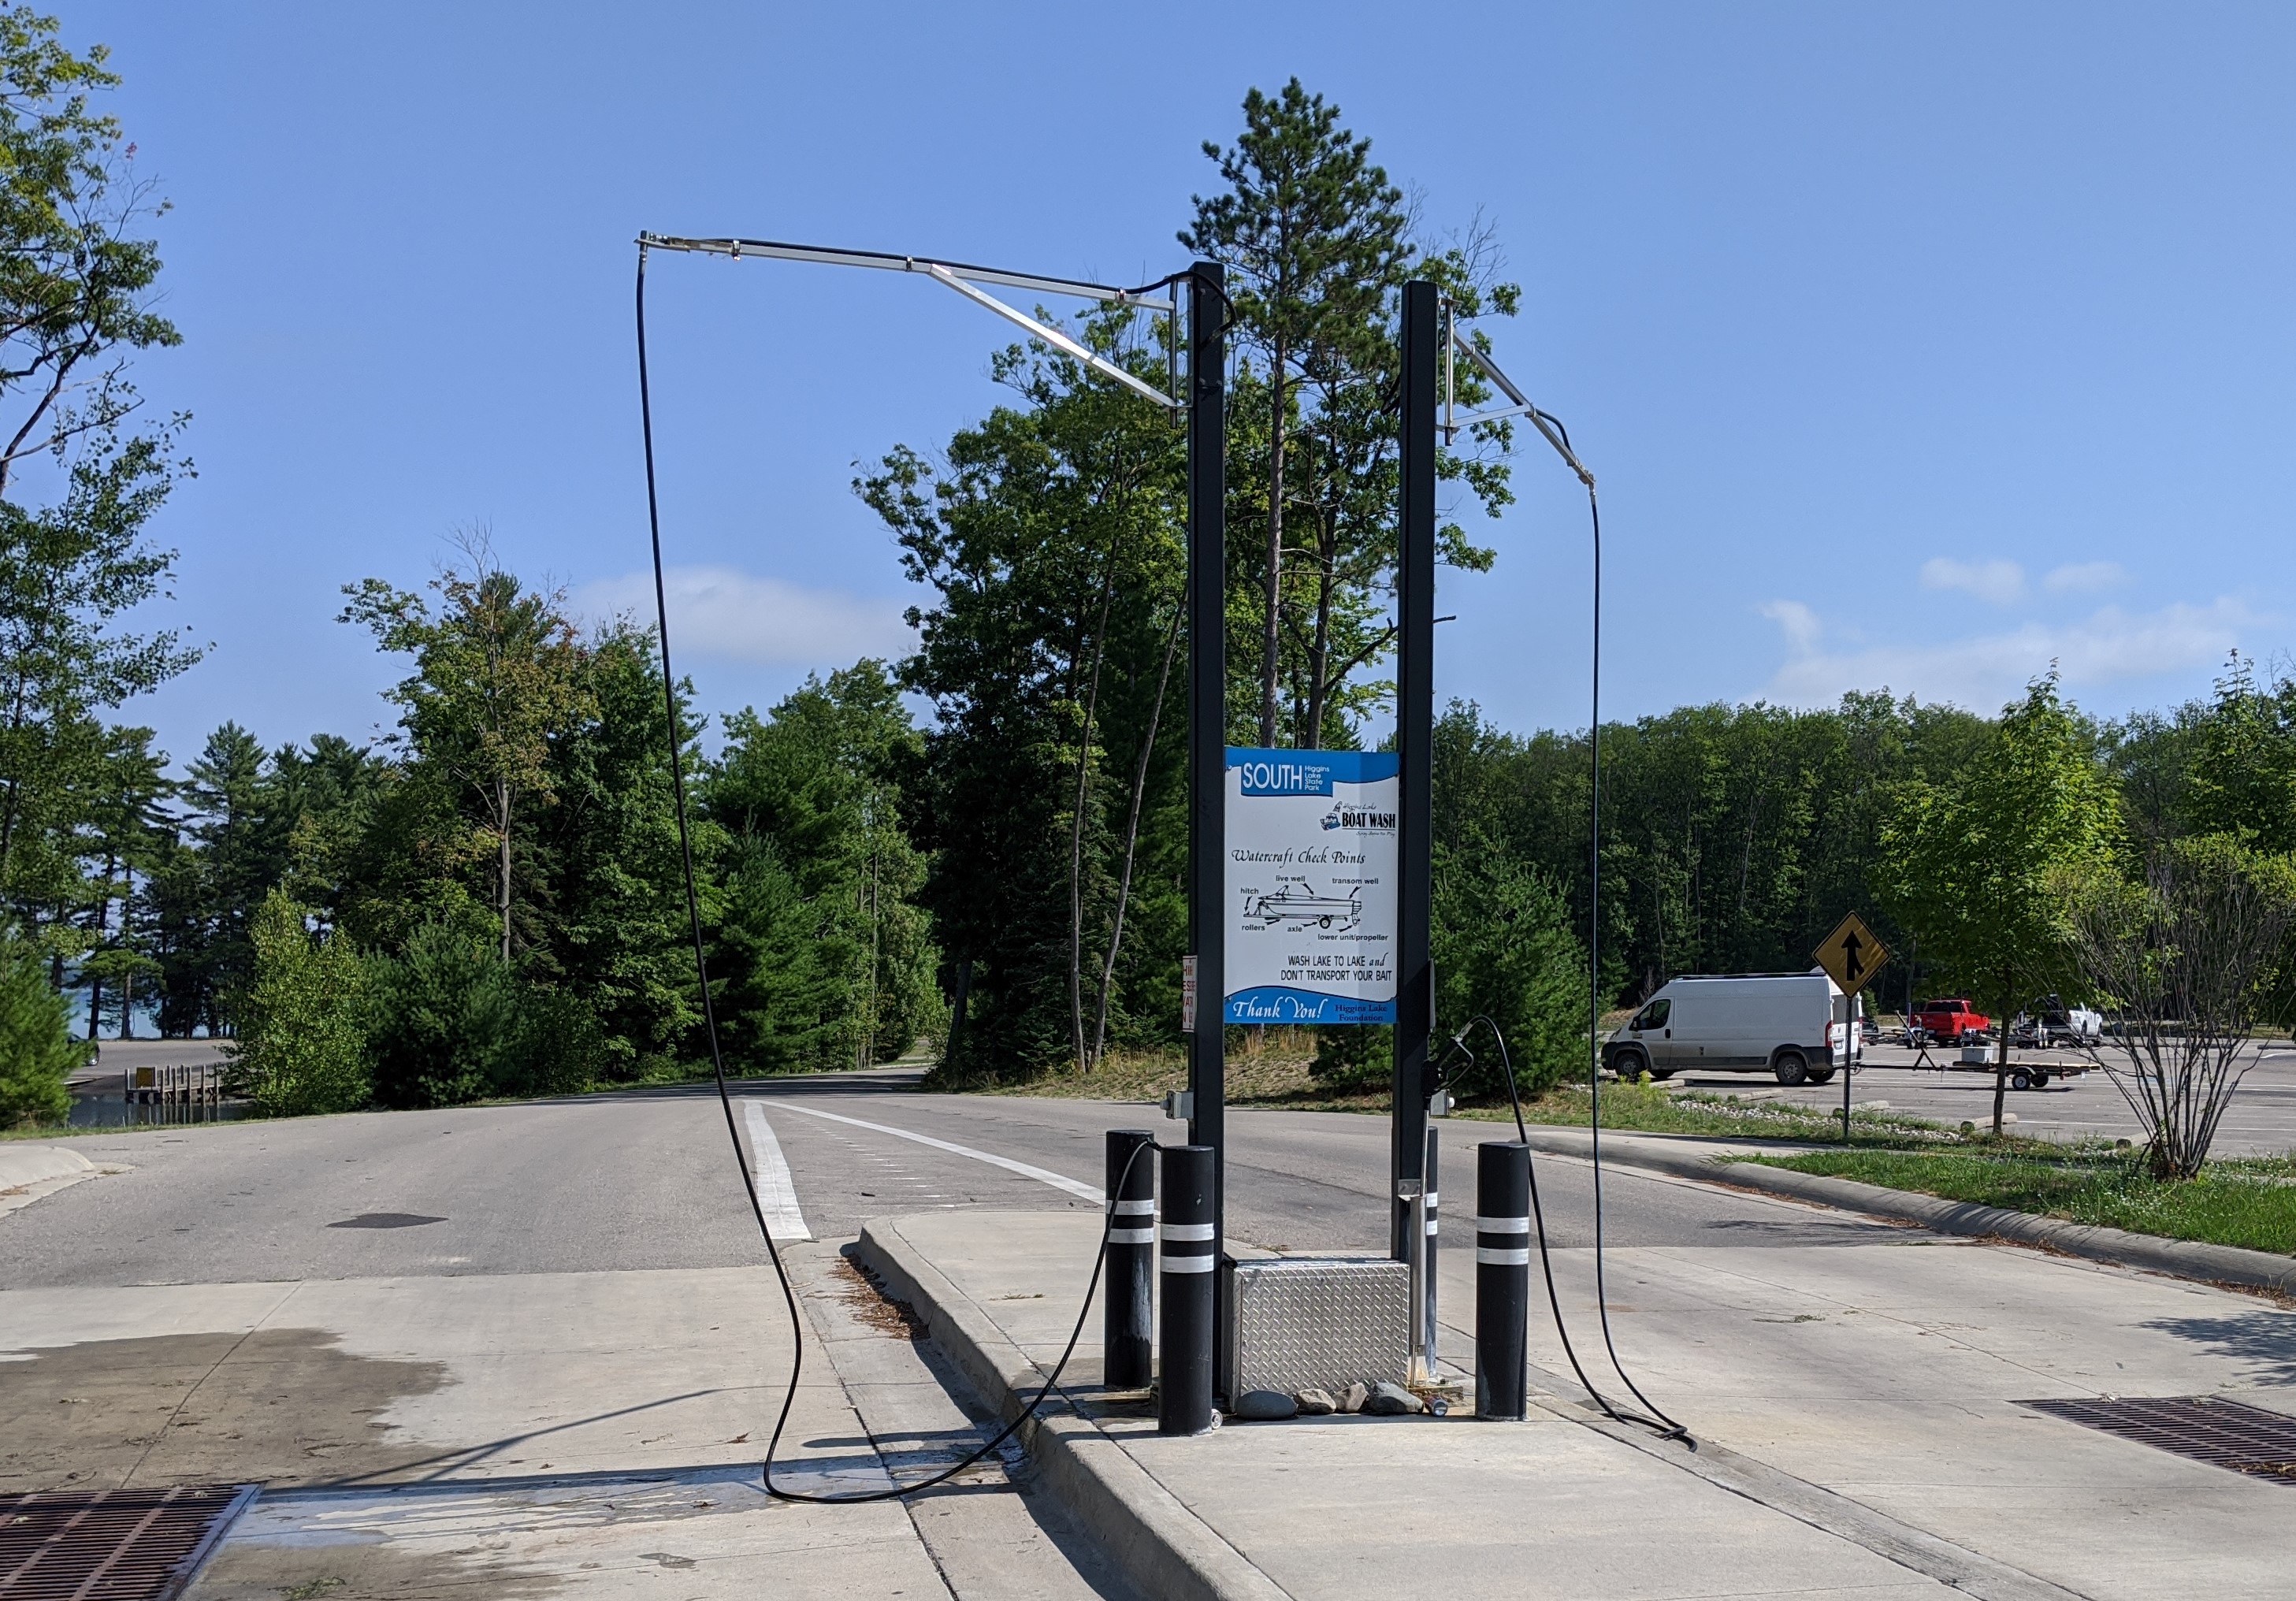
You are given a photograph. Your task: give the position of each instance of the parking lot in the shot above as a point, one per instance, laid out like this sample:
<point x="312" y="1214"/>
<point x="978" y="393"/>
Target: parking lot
<point x="2261" y="1119"/>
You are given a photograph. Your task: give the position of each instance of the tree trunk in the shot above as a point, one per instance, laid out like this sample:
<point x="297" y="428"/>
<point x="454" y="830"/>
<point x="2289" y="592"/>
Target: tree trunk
<point x="102" y="921"/>
<point x="2001" y="1056"/>
<point x="1132" y="835"/>
<point x="127" y="1005"/>
<point x="1319" y="651"/>
<point x="1075" y="822"/>
<point x="1270" y="638"/>
<point x="502" y="819"/>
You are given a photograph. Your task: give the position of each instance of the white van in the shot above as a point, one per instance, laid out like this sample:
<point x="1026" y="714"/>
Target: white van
<point x="1789" y="1023"/>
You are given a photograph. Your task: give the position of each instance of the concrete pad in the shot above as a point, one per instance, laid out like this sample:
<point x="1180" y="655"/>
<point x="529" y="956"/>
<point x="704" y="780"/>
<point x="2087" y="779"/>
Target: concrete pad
<point x="1890" y="1374"/>
<point x="698" y="1533"/>
<point x="1356" y="1507"/>
<point x="573" y="1414"/>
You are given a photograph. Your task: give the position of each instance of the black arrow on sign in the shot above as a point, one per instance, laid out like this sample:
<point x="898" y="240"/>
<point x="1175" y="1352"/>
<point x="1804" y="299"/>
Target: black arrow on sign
<point x="1853" y="964"/>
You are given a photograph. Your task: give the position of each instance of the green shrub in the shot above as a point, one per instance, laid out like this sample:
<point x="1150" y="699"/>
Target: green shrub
<point x="304" y="1019"/>
<point x="1354" y="1056"/>
<point x="1503" y="948"/>
<point x="37" y="1052"/>
<point x="454" y="1023"/>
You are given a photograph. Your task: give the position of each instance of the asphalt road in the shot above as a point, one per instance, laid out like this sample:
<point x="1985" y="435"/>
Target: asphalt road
<point x="647" y="1180"/>
<point x="2261" y="1119"/>
<point x="496" y="1256"/>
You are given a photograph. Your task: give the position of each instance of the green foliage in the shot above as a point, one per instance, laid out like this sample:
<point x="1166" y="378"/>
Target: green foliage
<point x="76" y="286"/>
<point x="498" y="670"/>
<point x="304" y="1018"/>
<point x="454" y="1024"/>
<point x="1974" y="867"/>
<point x="37" y="1053"/>
<point x="2242" y="778"/>
<point x="1048" y="797"/>
<point x="1504" y="949"/>
<point x="1734" y="837"/>
<point x="1357" y="1056"/>
<point x="826" y="960"/>
<point x="1972" y="864"/>
<point x="1317" y="243"/>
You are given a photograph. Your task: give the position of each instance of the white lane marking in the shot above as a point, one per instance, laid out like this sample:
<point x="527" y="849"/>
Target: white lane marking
<point x="776" y="1190"/>
<point x="1082" y="1192"/>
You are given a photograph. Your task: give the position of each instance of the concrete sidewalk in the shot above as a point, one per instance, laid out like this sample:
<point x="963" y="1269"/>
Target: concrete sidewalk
<point x="1854" y="1406"/>
<point x="516" y="1435"/>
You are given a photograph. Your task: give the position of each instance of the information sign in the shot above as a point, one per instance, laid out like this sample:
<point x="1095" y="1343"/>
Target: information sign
<point x="1311" y="859"/>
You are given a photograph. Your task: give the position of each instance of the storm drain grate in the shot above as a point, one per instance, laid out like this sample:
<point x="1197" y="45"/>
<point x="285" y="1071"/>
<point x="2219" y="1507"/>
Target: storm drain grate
<point x="2223" y="1434"/>
<point x="111" y="1545"/>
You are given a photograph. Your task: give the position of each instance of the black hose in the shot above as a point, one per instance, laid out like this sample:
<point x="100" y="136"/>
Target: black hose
<point x="1595" y="960"/>
<point x="1547" y="1264"/>
<point x="717" y="1052"/>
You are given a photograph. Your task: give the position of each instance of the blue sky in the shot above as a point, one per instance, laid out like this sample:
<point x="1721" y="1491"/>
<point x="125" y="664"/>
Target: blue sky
<point x="1913" y="345"/>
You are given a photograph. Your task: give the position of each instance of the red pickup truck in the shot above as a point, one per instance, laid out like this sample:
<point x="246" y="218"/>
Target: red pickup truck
<point x="1949" y="1020"/>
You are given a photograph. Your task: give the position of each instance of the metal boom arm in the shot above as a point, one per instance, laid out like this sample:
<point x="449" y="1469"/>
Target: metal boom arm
<point x="962" y="277"/>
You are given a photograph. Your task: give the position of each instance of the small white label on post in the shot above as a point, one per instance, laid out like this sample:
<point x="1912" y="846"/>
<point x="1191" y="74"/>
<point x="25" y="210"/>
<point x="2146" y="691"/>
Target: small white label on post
<point x="1187" y="995"/>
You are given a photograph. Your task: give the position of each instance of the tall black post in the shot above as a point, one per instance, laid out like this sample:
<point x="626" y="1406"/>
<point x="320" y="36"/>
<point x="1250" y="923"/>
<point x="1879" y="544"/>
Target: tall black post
<point x="1187" y="1328"/>
<point x="1207" y="720"/>
<point x="1129" y="1305"/>
<point x="1415" y="717"/>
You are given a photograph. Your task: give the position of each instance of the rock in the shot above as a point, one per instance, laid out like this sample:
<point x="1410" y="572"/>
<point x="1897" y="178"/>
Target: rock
<point x="1352" y="1398"/>
<point x="1266" y="1405"/>
<point x="1390" y="1401"/>
<point x="1316" y="1403"/>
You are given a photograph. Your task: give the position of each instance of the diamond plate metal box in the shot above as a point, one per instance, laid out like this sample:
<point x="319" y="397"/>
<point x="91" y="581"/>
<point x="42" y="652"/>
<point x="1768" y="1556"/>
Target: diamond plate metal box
<point x="1323" y="1321"/>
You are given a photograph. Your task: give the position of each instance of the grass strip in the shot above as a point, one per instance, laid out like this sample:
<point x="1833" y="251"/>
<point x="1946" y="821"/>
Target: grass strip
<point x="2247" y="1204"/>
<point x="1270" y="1079"/>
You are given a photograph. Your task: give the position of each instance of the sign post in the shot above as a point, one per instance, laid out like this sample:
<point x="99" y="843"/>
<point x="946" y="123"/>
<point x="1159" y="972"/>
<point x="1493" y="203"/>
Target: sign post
<point x="1851" y="955"/>
<point x="1206" y="603"/>
<point x="1416" y="532"/>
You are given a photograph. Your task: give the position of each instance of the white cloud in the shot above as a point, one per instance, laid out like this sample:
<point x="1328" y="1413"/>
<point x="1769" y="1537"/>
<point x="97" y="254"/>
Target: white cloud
<point x="1988" y="670"/>
<point x="723" y="613"/>
<point x="1797" y="621"/>
<point x="1997" y="583"/>
<point x="2085" y="578"/>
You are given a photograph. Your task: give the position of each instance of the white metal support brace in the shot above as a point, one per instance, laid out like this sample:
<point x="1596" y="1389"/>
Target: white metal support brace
<point x="962" y="277"/>
<point x="1522" y="406"/>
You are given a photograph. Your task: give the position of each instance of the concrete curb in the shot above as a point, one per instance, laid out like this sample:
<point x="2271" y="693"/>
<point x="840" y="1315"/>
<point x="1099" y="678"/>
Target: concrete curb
<point x="30" y="1164"/>
<point x="2178" y="1259"/>
<point x="1157" y="1543"/>
<point x="30" y="1173"/>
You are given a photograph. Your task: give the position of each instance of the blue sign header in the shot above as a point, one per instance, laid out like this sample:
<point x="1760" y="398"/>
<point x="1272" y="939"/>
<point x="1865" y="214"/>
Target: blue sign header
<point x="1308" y="772"/>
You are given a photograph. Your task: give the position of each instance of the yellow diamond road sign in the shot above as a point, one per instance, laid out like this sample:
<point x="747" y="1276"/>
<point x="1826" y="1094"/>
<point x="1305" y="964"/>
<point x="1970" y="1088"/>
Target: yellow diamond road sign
<point x="1851" y="954"/>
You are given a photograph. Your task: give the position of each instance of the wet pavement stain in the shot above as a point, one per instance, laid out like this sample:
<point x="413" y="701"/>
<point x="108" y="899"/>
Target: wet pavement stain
<point x="247" y="1571"/>
<point x="283" y="1406"/>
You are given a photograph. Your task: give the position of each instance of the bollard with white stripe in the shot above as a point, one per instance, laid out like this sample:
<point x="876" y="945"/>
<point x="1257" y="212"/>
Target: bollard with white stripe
<point x="1184" y="1392"/>
<point x="1128" y="1348"/>
<point x="1502" y="1276"/>
<point x="1434" y="1221"/>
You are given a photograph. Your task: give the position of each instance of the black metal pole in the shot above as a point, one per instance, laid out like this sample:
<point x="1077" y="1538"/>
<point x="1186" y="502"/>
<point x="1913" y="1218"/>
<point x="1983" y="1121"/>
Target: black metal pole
<point x="1128" y="1356"/>
<point x="1207" y="720"/>
<point x="1502" y="1276"/>
<point x="1414" y="718"/>
<point x="1184" y="1392"/>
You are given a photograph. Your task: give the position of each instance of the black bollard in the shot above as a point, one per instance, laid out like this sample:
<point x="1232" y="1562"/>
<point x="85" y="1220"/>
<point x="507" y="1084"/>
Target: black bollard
<point x="1127" y="1348"/>
<point x="1502" y="1276"/>
<point x="1184" y="1395"/>
<point x="1434" y="1221"/>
